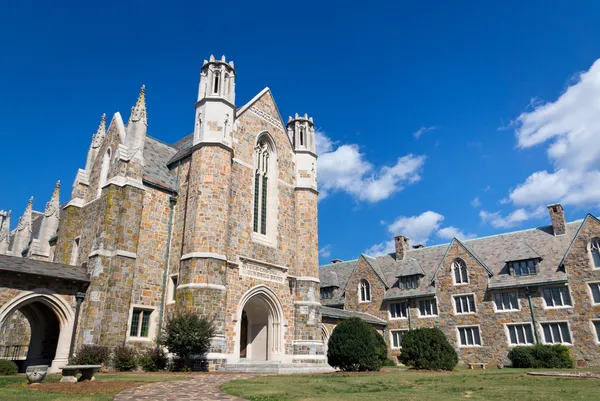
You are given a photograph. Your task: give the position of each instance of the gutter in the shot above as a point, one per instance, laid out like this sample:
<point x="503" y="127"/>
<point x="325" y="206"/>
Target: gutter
<point x="428" y="295"/>
<point x="535" y="330"/>
<point x="539" y="284"/>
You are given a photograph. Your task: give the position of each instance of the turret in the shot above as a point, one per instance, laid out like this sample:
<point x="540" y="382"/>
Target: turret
<point x="137" y="127"/>
<point x="4" y="231"/>
<point x="301" y="131"/>
<point x="40" y="247"/>
<point x="23" y="234"/>
<point x="215" y="108"/>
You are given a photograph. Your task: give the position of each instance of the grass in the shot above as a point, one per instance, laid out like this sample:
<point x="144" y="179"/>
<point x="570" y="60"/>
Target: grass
<point x="102" y="389"/>
<point x="395" y="384"/>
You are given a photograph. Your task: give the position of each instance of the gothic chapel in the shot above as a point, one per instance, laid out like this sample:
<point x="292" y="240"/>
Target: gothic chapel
<point x="224" y="222"/>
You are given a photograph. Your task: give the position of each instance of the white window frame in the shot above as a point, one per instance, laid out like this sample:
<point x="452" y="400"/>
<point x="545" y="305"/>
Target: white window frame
<point x="392" y="337"/>
<point x="151" y="323"/>
<point x="172" y="289"/>
<point x="546" y="306"/>
<point x="360" y="295"/>
<point x="507" y="332"/>
<point x="390" y="305"/>
<point x="543" y="335"/>
<point x="272" y="209"/>
<point x="594" y="330"/>
<point x="589" y="285"/>
<point x="506" y="310"/>
<point x="593" y="244"/>
<point x="454" y="265"/>
<point x="470" y="326"/>
<point x="456" y="312"/>
<point x="434" y="299"/>
<point x="75" y="249"/>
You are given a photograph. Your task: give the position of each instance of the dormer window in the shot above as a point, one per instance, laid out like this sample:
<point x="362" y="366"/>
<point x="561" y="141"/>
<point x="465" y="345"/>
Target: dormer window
<point x="409" y="282"/>
<point x="461" y="275"/>
<point x="364" y="289"/>
<point x="523" y="267"/>
<point x="595" y="251"/>
<point x="326" y="292"/>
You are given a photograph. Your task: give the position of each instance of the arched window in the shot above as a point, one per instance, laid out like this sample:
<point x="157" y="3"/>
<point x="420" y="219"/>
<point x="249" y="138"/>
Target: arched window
<point x="104" y="171"/>
<point x="302" y="136"/>
<point x="461" y="275"/>
<point x="365" y="291"/>
<point x="595" y="251"/>
<point x="216" y="83"/>
<point x="261" y="185"/>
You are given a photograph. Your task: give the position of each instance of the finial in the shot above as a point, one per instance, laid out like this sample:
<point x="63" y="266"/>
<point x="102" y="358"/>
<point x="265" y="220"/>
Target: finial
<point x="30" y="202"/>
<point x="204" y="63"/>
<point x="296" y="115"/>
<point x="290" y="119"/>
<point x="138" y="112"/>
<point x="223" y="58"/>
<point x="310" y="119"/>
<point x="57" y="188"/>
<point x="306" y="116"/>
<point x="231" y="64"/>
<point x="212" y="58"/>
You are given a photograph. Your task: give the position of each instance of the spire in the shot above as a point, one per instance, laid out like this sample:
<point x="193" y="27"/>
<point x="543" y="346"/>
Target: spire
<point x="23" y="235"/>
<point x="53" y="205"/>
<point x="98" y="137"/>
<point x="4" y="231"/>
<point x="138" y="112"/>
<point x="40" y="247"/>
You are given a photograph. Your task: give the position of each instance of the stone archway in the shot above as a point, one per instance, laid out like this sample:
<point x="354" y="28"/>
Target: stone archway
<point x="50" y="320"/>
<point x="260" y="326"/>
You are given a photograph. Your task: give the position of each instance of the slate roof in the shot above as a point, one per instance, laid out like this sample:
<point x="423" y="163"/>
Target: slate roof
<point x="42" y="268"/>
<point x="492" y="252"/>
<point x="346" y="314"/>
<point x="156" y="157"/>
<point x="183" y="146"/>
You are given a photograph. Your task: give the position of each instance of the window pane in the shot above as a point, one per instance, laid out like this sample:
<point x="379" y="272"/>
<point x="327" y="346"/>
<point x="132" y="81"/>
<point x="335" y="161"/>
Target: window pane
<point x="469" y="336"/>
<point x="548" y="297"/>
<point x="256" y="194"/>
<point x="595" y="292"/>
<point x="566" y="296"/>
<point x="597" y="326"/>
<point x="471" y="299"/>
<point x="596" y="257"/>
<point x="564" y="329"/>
<point x="514" y="303"/>
<point x="145" y="323"/>
<point x="528" y="334"/>
<point x="477" y="337"/>
<point x="456" y="273"/>
<point x="547" y="333"/>
<point x="434" y="307"/>
<point x="463" y="339"/>
<point x="135" y="321"/>
<point x="556" y="332"/>
<point x="520" y="334"/>
<point x="263" y="212"/>
<point x="513" y="334"/>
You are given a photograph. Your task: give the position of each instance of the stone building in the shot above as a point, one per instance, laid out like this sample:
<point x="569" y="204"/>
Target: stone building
<point x="487" y="294"/>
<point x="223" y="222"/>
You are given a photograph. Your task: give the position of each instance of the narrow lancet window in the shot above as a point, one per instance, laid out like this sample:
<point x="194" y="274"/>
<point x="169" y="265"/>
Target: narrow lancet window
<point x="261" y="187"/>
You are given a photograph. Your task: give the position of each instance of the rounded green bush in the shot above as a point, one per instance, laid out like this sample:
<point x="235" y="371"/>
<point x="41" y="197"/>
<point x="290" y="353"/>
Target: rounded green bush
<point x="91" y="355"/>
<point x="153" y="360"/>
<point x="541" y="356"/>
<point x="8" y="368"/>
<point x="124" y="358"/>
<point x="356" y="346"/>
<point x="427" y="348"/>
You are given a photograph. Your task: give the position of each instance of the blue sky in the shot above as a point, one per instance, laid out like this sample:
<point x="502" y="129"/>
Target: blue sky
<point x="507" y="121"/>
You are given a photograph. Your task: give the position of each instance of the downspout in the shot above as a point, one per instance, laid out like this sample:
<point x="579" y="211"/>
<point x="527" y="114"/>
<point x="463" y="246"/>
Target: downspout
<point x="408" y="315"/>
<point x="172" y="202"/>
<point x="535" y="330"/>
<point x="79" y="297"/>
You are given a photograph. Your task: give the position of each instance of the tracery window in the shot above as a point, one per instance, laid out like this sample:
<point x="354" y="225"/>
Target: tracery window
<point x="461" y="275"/>
<point x="365" y="291"/>
<point x="595" y="250"/>
<point x="261" y="179"/>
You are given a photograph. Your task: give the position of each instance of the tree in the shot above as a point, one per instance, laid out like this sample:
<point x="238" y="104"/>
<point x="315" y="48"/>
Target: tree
<point x="187" y="333"/>
<point x="427" y="348"/>
<point x="356" y="346"/>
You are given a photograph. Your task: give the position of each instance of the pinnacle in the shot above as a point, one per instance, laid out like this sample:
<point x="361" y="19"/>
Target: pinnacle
<point x="138" y="112"/>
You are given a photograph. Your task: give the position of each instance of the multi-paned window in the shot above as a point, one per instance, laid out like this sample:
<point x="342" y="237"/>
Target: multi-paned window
<point x="397" y="336"/>
<point x="327" y="292"/>
<point x="595" y="289"/>
<point x="409" y="282"/>
<point x="461" y="275"/>
<point x="520" y="334"/>
<point x="506" y="301"/>
<point x="261" y="179"/>
<point x="365" y="291"/>
<point x="523" y="267"/>
<point x="465" y="303"/>
<point x="595" y="250"/>
<point x="140" y="323"/>
<point x="557" y="297"/>
<point x="596" y="324"/>
<point x="399" y="310"/>
<point x="556" y="333"/>
<point x="428" y="307"/>
<point x="469" y="336"/>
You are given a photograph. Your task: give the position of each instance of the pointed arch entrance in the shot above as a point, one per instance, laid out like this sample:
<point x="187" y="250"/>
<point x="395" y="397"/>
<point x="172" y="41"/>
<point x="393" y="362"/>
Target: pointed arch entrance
<point x="260" y="326"/>
<point x="50" y="320"/>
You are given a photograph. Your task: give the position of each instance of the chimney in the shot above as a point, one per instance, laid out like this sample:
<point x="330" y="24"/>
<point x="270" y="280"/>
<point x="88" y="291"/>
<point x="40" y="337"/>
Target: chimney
<point x="557" y="216"/>
<point x="401" y="247"/>
<point x="334" y="261"/>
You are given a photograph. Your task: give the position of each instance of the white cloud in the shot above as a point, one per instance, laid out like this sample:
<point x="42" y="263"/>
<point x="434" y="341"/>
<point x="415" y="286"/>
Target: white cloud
<point x="417" y="134"/>
<point x="345" y="169"/>
<point x="476" y="202"/>
<point x="325" y="252"/>
<point x="570" y="128"/>
<point x="512" y="219"/>
<point x="418" y="229"/>
<point x="323" y="143"/>
<point x="451" y="232"/>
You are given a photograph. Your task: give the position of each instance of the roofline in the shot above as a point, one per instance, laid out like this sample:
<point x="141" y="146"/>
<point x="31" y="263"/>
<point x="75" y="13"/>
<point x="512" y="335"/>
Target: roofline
<point x="427" y="295"/>
<point x="337" y="263"/>
<point x="537" y="284"/>
<point x="589" y="215"/>
<point x="59" y="277"/>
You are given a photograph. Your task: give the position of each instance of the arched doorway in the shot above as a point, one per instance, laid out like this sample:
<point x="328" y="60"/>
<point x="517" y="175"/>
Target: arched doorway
<point x="260" y="326"/>
<point x="50" y="320"/>
<point x="325" y="338"/>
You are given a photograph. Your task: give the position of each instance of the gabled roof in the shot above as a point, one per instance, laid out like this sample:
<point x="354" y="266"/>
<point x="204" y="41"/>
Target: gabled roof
<point x="156" y="158"/>
<point x="583" y="222"/>
<point x="346" y="314"/>
<point x="45" y="269"/>
<point x="374" y="264"/>
<point x="469" y="251"/>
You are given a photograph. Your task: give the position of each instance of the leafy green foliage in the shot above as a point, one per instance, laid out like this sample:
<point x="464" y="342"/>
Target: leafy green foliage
<point x="8" y="368"/>
<point x="541" y="356"/>
<point x="124" y="358"/>
<point x="356" y="346"/>
<point x="427" y="348"/>
<point x="153" y="360"/>
<point x="91" y="355"/>
<point x="187" y="333"/>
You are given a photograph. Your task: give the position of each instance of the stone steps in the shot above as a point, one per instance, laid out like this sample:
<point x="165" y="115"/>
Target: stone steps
<point x="275" y="367"/>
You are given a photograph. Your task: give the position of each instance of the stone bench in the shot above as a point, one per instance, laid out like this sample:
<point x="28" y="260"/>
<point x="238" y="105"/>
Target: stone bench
<point x="482" y="365"/>
<point x="69" y="373"/>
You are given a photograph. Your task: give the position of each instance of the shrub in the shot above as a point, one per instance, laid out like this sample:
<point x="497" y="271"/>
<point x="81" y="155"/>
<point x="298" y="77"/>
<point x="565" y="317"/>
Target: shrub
<point x="356" y="346"/>
<point x="91" y="355"/>
<point x="541" y="356"/>
<point x="8" y="368"/>
<point x="124" y="358"/>
<point x="187" y="333"/>
<point x="427" y="348"/>
<point x="153" y="360"/>
<point x="389" y="362"/>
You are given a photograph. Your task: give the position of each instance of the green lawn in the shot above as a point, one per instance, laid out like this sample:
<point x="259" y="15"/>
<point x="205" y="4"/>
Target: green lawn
<point x="402" y="384"/>
<point x="104" y="388"/>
